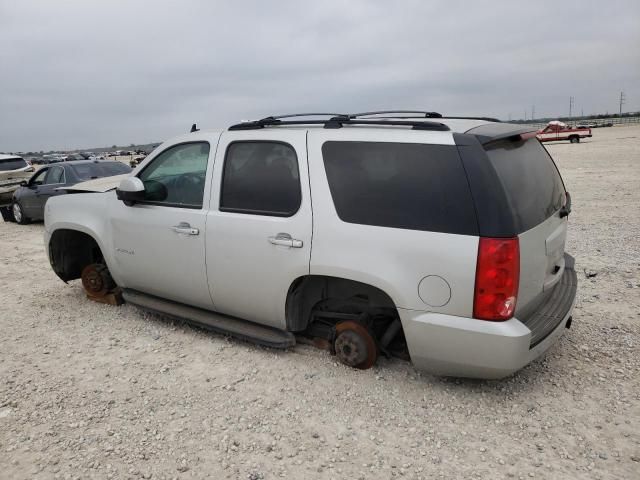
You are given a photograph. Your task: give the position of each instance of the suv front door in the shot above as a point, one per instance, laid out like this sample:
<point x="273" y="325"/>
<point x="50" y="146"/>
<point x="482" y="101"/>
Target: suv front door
<point x="259" y="225"/>
<point x="160" y="242"/>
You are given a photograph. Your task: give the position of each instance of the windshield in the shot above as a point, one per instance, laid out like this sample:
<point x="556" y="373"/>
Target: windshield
<point x="12" y="164"/>
<point x="87" y="171"/>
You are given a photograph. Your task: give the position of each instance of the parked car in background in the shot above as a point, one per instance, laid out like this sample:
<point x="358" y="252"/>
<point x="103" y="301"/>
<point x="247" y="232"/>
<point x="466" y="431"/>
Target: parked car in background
<point x="30" y="198"/>
<point x="438" y="239"/>
<point x="556" y="130"/>
<point x="53" y="158"/>
<point x="75" y="156"/>
<point x="13" y="171"/>
<point x="135" y="161"/>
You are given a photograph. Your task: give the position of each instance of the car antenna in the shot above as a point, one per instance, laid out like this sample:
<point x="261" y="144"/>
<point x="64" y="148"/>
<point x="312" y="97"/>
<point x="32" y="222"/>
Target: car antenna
<point x="194" y="128"/>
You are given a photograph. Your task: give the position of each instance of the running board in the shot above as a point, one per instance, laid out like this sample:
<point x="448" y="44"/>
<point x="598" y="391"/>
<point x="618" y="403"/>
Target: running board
<point x="235" y="327"/>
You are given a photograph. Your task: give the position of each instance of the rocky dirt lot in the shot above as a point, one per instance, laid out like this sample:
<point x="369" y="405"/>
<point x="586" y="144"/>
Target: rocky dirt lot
<point x="93" y="391"/>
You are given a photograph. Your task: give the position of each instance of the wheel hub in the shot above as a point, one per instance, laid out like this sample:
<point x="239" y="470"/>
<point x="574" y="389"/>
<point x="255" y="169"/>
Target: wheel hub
<point x="17" y="212"/>
<point x="354" y="345"/>
<point x="96" y="280"/>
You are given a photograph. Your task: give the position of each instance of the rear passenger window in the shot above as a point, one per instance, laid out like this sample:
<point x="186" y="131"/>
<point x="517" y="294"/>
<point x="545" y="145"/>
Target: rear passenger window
<point x="401" y="185"/>
<point x="261" y="178"/>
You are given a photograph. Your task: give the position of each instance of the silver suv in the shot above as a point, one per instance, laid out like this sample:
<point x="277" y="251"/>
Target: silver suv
<point x="14" y="170"/>
<point x="384" y="233"/>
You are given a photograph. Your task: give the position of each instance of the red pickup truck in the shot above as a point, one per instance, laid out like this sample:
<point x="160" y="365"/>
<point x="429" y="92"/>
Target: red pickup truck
<point x="556" y="130"/>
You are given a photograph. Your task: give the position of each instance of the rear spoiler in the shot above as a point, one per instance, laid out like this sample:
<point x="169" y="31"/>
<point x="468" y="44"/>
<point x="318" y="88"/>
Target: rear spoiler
<point x="492" y="132"/>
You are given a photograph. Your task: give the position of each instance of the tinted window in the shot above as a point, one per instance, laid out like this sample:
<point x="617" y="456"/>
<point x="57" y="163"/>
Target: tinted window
<point x="401" y="185"/>
<point x="261" y="178"/>
<point x="530" y="179"/>
<point x="87" y="171"/>
<point x="55" y="175"/>
<point x="177" y="176"/>
<point x="12" y="164"/>
<point x="38" y="178"/>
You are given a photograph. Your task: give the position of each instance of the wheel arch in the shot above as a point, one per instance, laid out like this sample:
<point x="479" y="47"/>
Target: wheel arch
<point x="305" y="292"/>
<point x="72" y="249"/>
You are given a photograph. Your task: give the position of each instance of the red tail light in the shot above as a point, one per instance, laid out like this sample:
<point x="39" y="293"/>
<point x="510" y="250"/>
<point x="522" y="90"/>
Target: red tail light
<point x="497" y="277"/>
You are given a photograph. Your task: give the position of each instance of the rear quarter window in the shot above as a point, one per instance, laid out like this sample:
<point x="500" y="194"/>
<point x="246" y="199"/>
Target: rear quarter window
<point x="400" y="185"/>
<point x="530" y="179"/>
<point x="9" y="164"/>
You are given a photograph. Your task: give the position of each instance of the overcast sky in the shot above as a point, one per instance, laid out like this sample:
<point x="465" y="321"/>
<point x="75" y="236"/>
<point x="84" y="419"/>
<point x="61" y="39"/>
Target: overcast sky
<point x="78" y="74"/>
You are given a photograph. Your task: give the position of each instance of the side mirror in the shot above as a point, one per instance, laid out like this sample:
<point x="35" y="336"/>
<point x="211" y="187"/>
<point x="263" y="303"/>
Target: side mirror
<point x="24" y="183"/>
<point x="130" y="190"/>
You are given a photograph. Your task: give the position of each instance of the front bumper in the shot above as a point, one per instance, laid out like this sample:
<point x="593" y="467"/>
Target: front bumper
<point x="6" y="198"/>
<point x="465" y="347"/>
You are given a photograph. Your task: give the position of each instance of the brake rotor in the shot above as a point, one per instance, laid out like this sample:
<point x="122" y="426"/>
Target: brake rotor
<point x="355" y="346"/>
<point x="96" y="280"/>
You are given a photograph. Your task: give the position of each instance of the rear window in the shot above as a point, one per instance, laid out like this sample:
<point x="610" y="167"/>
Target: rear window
<point x="530" y="180"/>
<point x="87" y="171"/>
<point x="400" y="185"/>
<point x="12" y="164"/>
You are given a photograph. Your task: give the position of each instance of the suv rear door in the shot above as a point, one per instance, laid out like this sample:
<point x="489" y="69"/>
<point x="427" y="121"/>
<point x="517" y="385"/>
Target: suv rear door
<point x="259" y="224"/>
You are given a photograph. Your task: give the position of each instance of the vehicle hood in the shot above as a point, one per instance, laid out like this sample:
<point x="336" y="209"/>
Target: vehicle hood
<point x="98" y="185"/>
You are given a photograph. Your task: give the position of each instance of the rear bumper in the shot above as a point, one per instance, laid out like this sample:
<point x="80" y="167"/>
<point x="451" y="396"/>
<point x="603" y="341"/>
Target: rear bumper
<point x="465" y="347"/>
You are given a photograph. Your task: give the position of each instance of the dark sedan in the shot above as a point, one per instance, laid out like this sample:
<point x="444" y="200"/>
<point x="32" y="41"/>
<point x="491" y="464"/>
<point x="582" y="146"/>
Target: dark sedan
<point x="29" y="199"/>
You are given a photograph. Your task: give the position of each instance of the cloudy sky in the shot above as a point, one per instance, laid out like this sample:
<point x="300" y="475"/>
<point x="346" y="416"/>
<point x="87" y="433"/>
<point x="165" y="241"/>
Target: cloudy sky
<point x="80" y="74"/>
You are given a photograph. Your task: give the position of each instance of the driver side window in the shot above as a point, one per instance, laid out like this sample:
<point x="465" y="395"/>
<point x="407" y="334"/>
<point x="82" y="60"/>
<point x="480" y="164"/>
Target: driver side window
<point x="176" y="177"/>
<point x="38" y="178"/>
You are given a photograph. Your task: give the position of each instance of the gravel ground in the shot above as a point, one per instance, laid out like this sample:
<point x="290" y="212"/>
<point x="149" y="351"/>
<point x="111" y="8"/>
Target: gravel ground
<point x="93" y="391"/>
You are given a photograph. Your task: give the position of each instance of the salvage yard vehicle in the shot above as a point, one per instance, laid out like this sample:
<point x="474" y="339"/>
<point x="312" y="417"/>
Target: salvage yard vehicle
<point x="13" y="171"/>
<point x="556" y="130"/>
<point x="30" y="198"/>
<point x="382" y="233"/>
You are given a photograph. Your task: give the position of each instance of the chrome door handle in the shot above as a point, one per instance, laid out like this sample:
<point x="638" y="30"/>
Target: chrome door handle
<point x="285" y="240"/>
<point x="185" y="229"/>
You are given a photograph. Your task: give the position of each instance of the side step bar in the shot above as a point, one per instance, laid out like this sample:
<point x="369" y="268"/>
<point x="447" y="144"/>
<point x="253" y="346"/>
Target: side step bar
<point x="242" y="329"/>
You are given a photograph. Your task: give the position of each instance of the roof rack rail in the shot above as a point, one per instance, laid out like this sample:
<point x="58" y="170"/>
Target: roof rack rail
<point x="337" y="121"/>
<point x="407" y="114"/>
<point x="404" y="112"/>
<point x="487" y="119"/>
<point x="292" y="115"/>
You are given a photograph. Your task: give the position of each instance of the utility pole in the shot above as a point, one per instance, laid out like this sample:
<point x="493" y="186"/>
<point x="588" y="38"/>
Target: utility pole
<point x="623" y="97"/>
<point x="571" y="102"/>
<point x="533" y="112"/>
